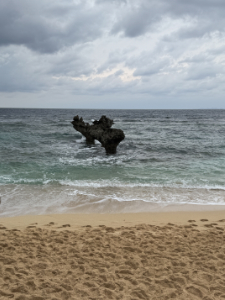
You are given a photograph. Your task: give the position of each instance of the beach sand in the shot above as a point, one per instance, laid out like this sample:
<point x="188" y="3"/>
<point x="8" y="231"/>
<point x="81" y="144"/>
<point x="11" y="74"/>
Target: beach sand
<point x="161" y="255"/>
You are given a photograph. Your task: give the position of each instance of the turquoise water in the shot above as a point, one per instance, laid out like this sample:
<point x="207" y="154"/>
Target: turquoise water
<point x="168" y="157"/>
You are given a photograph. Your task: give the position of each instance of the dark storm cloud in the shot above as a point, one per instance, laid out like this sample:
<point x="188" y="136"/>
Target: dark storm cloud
<point x="139" y="17"/>
<point x="136" y="18"/>
<point x="47" y="26"/>
<point x="157" y="48"/>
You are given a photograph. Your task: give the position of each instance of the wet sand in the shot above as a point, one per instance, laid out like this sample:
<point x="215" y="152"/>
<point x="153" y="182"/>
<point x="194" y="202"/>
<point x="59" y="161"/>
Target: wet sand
<point x="167" y="255"/>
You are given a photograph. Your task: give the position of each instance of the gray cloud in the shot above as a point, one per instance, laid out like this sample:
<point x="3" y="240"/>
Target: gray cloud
<point x="139" y="50"/>
<point x="72" y="62"/>
<point x="203" y="71"/>
<point x="21" y="72"/>
<point x="138" y="18"/>
<point x="48" y="26"/>
<point x="146" y="65"/>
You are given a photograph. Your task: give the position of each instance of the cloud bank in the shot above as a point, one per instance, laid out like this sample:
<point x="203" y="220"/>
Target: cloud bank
<point x="112" y="54"/>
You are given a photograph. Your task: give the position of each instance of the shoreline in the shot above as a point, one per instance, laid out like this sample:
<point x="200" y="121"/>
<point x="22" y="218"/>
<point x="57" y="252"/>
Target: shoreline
<point x="74" y="221"/>
<point x="125" y="207"/>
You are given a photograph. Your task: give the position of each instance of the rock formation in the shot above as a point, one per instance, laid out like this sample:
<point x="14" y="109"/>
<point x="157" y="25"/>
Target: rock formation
<point x="100" y="130"/>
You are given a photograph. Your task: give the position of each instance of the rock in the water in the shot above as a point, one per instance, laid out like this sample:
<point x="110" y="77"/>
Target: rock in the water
<point x="100" y="130"/>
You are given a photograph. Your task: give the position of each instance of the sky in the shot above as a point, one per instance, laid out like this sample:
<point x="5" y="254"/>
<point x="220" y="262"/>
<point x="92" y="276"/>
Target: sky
<point x="124" y="54"/>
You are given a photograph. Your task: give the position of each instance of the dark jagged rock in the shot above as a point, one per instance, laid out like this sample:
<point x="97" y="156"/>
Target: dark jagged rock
<point x="100" y="130"/>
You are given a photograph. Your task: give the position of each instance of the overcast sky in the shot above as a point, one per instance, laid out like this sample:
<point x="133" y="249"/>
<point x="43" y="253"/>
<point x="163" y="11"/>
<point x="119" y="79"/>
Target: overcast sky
<point x="112" y="53"/>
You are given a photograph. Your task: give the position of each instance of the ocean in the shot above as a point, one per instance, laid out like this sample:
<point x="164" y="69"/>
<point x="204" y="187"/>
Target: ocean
<point x="168" y="158"/>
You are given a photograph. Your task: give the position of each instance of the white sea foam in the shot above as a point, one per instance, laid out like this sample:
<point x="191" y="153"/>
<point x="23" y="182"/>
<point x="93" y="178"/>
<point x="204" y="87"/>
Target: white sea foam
<point x="101" y="197"/>
<point x="118" y="184"/>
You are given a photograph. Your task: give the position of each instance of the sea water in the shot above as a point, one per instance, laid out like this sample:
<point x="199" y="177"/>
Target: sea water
<point x="168" y="157"/>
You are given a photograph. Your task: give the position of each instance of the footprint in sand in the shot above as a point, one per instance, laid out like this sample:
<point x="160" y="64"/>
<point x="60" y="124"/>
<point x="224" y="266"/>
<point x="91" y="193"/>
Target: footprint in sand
<point x="2" y="228"/>
<point x="50" y="224"/>
<point x="208" y="225"/>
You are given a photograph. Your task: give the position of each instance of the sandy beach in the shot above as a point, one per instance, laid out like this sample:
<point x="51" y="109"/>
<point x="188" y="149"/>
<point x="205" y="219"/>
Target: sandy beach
<point x="167" y="255"/>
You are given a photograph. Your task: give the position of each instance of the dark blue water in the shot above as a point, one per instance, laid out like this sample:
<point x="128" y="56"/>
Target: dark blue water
<point x="167" y="157"/>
